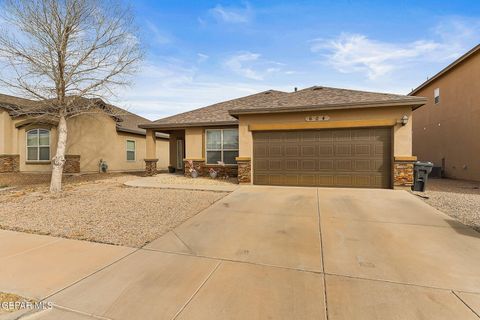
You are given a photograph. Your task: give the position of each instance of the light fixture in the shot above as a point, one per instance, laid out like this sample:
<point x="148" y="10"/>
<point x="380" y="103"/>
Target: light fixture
<point x="404" y="120"/>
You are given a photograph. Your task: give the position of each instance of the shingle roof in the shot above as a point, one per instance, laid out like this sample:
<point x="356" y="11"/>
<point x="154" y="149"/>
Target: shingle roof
<point x="130" y="121"/>
<point x="126" y="121"/>
<point x="318" y="97"/>
<point x="313" y="98"/>
<point x="217" y="114"/>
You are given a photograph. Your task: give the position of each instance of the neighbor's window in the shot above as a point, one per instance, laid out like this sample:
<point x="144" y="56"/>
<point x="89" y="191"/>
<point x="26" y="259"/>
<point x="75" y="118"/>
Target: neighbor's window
<point x="130" y="150"/>
<point x="38" y="145"/>
<point x="436" y="95"/>
<point x="221" y="145"/>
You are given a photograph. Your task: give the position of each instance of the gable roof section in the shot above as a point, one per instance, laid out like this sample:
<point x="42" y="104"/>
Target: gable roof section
<point x="309" y="99"/>
<point x="215" y="114"/>
<point x="448" y="68"/>
<point x="131" y="121"/>
<point x="125" y="120"/>
<point x="326" y="98"/>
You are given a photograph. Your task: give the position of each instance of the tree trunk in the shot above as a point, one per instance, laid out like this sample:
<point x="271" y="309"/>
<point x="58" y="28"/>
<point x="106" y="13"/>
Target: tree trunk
<point x="59" y="159"/>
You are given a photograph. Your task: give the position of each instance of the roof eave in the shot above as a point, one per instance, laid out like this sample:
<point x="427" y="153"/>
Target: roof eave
<point x="139" y="132"/>
<point x="173" y="126"/>
<point x="414" y="103"/>
<point x="445" y="70"/>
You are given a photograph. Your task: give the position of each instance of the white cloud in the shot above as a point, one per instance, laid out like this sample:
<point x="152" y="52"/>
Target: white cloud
<point x="168" y="86"/>
<point x="239" y="64"/>
<point x="202" y="57"/>
<point x="231" y="14"/>
<point x="158" y="36"/>
<point x="252" y="66"/>
<point x="356" y="53"/>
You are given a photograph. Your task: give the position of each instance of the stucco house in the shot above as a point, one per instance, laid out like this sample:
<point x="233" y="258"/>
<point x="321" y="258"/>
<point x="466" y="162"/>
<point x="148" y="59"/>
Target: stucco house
<point x="446" y="129"/>
<point x="317" y="136"/>
<point x="27" y="143"/>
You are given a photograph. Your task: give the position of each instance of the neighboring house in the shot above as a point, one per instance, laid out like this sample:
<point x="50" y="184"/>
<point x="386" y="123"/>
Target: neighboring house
<point x="318" y="136"/>
<point x="446" y="130"/>
<point x="27" y="143"/>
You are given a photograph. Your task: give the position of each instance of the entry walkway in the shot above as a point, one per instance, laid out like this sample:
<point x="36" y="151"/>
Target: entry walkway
<point x="159" y="182"/>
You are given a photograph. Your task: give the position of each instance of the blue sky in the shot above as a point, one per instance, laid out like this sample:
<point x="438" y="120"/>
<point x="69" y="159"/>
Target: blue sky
<point x="202" y="52"/>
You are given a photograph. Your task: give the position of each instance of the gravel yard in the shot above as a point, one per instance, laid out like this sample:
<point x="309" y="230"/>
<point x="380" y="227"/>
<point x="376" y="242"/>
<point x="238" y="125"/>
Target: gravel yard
<point x="457" y="198"/>
<point x="102" y="210"/>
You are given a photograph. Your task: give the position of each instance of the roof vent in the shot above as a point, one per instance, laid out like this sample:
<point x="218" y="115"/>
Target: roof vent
<point x="295" y="89"/>
<point x="317" y="88"/>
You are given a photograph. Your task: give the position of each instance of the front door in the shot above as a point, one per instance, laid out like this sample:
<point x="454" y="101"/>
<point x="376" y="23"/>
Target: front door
<point x="180" y="154"/>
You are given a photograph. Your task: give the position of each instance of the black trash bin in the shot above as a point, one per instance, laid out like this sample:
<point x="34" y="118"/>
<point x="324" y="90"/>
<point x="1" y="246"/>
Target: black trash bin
<point x="420" y="175"/>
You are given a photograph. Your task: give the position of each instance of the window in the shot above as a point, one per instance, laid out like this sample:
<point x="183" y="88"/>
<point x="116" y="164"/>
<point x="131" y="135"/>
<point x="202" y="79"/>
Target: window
<point x="130" y="150"/>
<point x="436" y="95"/>
<point x="38" y="145"/>
<point x="221" y="145"/>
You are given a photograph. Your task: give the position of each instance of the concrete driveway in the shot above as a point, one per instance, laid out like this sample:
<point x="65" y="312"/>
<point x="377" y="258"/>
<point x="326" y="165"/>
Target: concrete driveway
<point x="291" y="253"/>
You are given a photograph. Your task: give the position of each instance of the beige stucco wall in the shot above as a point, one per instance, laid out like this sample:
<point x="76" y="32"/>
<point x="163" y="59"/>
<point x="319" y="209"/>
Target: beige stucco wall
<point x="7" y="138"/>
<point x="3" y="132"/>
<point x="93" y="137"/>
<point x="402" y="144"/>
<point x="194" y="143"/>
<point x="450" y="130"/>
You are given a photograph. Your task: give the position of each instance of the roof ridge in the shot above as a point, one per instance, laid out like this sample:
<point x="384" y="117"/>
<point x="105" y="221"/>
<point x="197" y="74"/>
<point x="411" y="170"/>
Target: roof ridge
<point x="218" y="103"/>
<point x="350" y="90"/>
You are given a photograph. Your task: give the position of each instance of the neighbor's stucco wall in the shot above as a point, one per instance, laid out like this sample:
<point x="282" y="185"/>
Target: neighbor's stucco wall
<point x="450" y="130"/>
<point x="402" y="135"/>
<point x="3" y="132"/>
<point x="93" y="137"/>
<point x="7" y="139"/>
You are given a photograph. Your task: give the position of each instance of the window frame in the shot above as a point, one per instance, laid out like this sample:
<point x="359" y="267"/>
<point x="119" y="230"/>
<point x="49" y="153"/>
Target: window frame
<point x="38" y="146"/>
<point x="222" y="149"/>
<point x="436" y="97"/>
<point x="134" y="150"/>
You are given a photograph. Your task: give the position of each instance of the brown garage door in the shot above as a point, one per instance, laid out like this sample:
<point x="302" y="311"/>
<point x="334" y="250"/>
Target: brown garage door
<point x="331" y="157"/>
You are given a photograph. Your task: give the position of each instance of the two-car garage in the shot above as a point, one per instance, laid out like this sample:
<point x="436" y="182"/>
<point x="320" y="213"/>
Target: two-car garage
<point x="356" y="157"/>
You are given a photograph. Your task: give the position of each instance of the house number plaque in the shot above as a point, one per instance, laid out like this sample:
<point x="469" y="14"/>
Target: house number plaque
<point x="316" y="118"/>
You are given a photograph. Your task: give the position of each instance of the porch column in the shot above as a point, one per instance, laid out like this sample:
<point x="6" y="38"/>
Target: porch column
<point x="151" y="153"/>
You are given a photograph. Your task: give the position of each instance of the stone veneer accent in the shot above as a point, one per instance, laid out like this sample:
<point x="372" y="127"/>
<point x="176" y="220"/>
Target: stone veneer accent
<point x="203" y="168"/>
<point x="9" y="162"/>
<point x="72" y="163"/>
<point x="244" y="170"/>
<point x="403" y="173"/>
<point x="151" y="167"/>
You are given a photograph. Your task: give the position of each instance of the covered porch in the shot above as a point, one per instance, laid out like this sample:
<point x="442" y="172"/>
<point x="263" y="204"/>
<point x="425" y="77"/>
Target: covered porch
<point x="176" y="150"/>
<point x="200" y="148"/>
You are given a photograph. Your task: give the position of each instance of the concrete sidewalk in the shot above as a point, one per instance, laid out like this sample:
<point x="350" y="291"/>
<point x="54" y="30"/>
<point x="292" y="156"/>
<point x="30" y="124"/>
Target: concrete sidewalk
<point x="36" y="266"/>
<point x="288" y="253"/>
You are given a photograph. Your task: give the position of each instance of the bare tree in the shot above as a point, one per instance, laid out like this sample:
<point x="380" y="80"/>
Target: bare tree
<point x="67" y="55"/>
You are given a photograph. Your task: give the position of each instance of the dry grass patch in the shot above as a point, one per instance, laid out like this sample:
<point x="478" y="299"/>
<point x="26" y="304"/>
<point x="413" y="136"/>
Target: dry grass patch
<point x="23" y="180"/>
<point x="9" y="302"/>
<point x="102" y="211"/>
